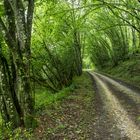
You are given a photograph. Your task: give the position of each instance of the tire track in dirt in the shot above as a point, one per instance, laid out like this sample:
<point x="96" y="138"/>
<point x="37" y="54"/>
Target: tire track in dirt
<point x="113" y="115"/>
<point x="134" y="95"/>
<point x="133" y="108"/>
<point x="103" y="126"/>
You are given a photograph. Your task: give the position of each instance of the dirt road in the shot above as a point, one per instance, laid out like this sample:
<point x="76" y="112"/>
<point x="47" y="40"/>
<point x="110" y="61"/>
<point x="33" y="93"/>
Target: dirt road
<point x="117" y="110"/>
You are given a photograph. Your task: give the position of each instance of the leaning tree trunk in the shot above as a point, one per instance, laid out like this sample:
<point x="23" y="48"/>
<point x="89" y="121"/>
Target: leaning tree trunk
<point x="77" y="52"/>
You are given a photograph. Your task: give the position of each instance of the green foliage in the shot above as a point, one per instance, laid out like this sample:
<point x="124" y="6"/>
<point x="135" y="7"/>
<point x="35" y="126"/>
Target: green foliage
<point x="66" y="37"/>
<point x="112" y="33"/>
<point x="6" y="132"/>
<point x="57" y="45"/>
<point x="1" y="9"/>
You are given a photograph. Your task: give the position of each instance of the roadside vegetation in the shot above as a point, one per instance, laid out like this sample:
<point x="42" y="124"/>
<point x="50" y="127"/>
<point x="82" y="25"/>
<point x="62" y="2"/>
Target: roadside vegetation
<point x="66" y="114"/>
<point x="128" y="71"/>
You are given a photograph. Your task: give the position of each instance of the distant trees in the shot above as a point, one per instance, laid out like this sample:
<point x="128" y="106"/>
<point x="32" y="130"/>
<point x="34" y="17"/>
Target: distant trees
<point x="114" y="33"/>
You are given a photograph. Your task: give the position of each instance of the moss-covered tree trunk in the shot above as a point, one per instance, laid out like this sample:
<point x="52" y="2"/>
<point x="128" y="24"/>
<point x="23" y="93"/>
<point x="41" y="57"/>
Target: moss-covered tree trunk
<point x="17" y="35"/>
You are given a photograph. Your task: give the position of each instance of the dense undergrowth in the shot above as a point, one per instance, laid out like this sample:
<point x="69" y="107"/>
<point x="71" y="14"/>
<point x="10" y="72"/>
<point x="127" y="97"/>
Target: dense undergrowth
<point x="128" y="71"/>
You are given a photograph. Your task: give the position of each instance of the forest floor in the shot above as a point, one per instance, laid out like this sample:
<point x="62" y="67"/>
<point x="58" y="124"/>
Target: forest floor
<point x="70" y="118"/>
<point x="99" y="108"/>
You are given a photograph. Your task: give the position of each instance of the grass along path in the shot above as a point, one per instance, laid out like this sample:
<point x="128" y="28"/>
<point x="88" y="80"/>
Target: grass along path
<point x="69" y="117"/>
<point x="128" y="71"/>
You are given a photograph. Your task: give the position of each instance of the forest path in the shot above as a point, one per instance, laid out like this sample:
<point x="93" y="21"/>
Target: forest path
<point x="117" y="110"/>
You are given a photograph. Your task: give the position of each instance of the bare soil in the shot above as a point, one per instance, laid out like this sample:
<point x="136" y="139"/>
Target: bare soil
<point x="120" y="110"/>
